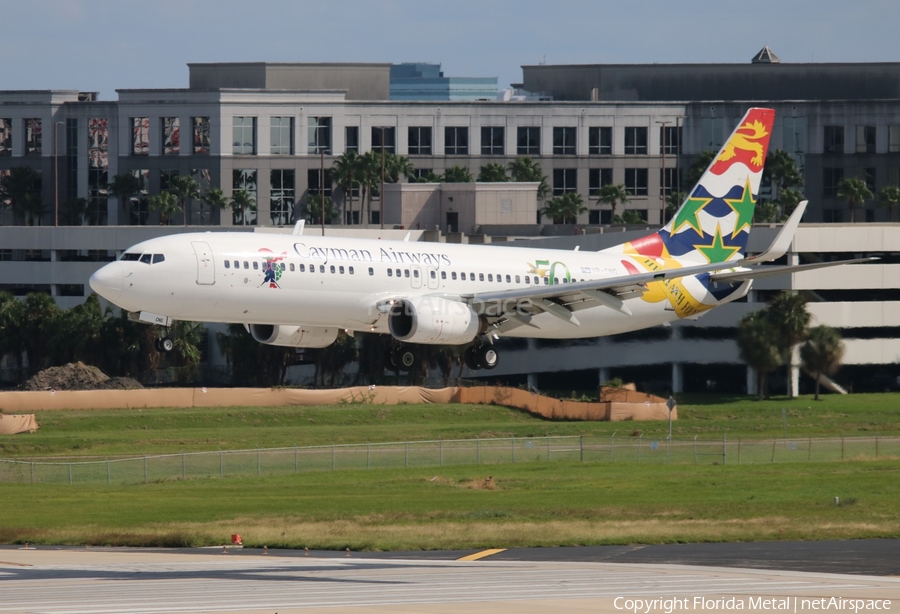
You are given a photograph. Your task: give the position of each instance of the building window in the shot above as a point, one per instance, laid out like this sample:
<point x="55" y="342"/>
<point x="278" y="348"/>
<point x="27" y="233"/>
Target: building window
<point x="528" y="141"/>
<point x="565" y="180"/>
<point x="597" y="178"/>
<point x="351" y="139"/>
<point x="138" y="208"/>
<point x="33" y="137"/>
<point x="5" y="137"/>
<point x="98" y="170"/>
<point x="165" y="178"/>
<point x="793" y="137"/>
<point x="314" y="176"/>
<point x="711" y="132"/>
<point x="244" y="179"/>
<point x="894" y="138"/>
<point x="456" y="140"/>
<point x="564" y="141"/>
<point x="281" y="136"/>
<point x="636" y="140"/>
<point x="600" y="140"/>
<point x="833" y="216"/>
<point x="492" y="141"/>
<point x="204" y="182"/>
<point x="200" y="134"/>
<point x="281" y="197"/>
<point x="670" y="140"/>
<point x="421" y="175"/>
<point x="831" y="178"/>
<point x="668" y="181"/>
<point x="171" y="136"/>
<point x="244" y="136"/>
<point x="834" y="139"/>
<point x="636" y="181"/>
<point x="869" y="176"/>
<point x="384" y="137"/>
<point x="600" y="216"/>
<point x="419" y="140"/>
<point x="319" y="135"/>
<point x="865" y="139"/>
<point x="71" y="158"/>
<point x="140" y="136"/>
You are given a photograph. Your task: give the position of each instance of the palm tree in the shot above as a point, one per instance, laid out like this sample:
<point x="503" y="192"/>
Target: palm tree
<point x="241" y="202"/>
<point x="12" y="316"/>
<point x="564" y="209"/>
<point x="887" y="198"/>
<point x="312" y="210"/>
<point x="22" y="188"/>
<point x="781" y="171"/>
<point x="346" y="167"/>
<point x="756" y="342"/>
<point x="698" y="166"/>
<point x="612" y="195"/>
<point x="493" y="173"/>
<point x="185" y="188"/>
<point x="855" y="192"/>
<point x="524" y="169"/>
<point x="458" y="174"/>
<point x="369" y="179"/>
<point x="124" y="186"/>
<point x="187" y="337"/>
<point x="166" y="204"/>
<point x="790" y="319"/>
<point x="629" y="216"/>
<point x="215" y="198"/>
<point x="822" y="352"/>
<point x="673" y="203"/>
<point x="395" y="165"/>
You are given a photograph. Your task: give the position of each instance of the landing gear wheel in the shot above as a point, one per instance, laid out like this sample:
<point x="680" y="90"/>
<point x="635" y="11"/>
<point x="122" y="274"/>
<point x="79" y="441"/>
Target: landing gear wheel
<point x="390" y="360"/>
<point x="407" y="358"/>
<point x="487" y="357"/>
<point x="470" y="358"/>
<point x="165" y="344"/>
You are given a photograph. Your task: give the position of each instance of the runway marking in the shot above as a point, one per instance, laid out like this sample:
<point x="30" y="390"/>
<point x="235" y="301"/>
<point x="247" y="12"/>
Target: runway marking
<point x="482" y="554"/>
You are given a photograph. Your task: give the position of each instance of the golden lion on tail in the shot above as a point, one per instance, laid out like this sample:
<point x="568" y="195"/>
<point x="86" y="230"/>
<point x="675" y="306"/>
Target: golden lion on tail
<point x="746" y="142"/>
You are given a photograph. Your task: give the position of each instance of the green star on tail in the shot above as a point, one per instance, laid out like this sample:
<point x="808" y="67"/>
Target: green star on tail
<point x="744" y="208"/>
<point x="689" y="214"/>
<point x="717" y="251"/>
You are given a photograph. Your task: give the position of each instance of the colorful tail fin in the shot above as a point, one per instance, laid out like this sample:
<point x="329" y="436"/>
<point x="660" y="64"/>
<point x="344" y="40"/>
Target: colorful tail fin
<point x="713" y="223"/>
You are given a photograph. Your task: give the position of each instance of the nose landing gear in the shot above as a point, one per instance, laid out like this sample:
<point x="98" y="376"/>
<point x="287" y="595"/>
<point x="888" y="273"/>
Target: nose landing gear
<point x="165" y="344"/>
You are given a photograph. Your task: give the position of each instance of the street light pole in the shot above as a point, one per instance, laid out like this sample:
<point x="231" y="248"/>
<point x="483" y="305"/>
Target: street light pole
<point x="322" y="186"/>
<point x="56" y="173"/>
<point x="663" y="186"/>
<point x="381" y="215"/>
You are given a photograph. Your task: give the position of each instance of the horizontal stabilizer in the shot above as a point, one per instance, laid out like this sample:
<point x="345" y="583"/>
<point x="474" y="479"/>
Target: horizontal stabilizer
<point x="782" y="242"/>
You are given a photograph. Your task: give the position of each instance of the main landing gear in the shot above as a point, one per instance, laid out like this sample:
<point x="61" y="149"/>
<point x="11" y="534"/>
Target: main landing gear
<point x="481" y="356"/>
<point x="164" y="344"/>
<point x="401" y="357"/>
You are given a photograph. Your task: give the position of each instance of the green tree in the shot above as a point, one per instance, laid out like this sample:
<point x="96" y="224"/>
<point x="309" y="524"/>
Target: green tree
<point x="216" y="199"/>
<point x="369" y="180"/>
<point x="186" y="189"/>
<point x="396" y="166"/>
<point x="40" y="328"/>
<point x="788" y="199"/>
<point x="758" y="348"/>
<point x="781" y="171"/>
<point x="312" y="209"/>
<point x="629" y="217"/>
<point x="12" y="316"/>
<point x="612" y="195"/>
<point x="525" y="169"/>
<point x="673" y="203"/>
<point x="888" y="198"/>
<point x="241" y="202"/>
<point x="332" y="360"/>
<point x="698" y="166"/>
<point x="458" y="174"/>
<point x="252" y="363"/>
<point x="166" y="205"/>
<point x="125" y="186"/>
<point x="428" y="177"/>
<point x="790" y="320"/>
<point x="22" y="188"/>
<point x="187" y="337"/>
<point x="822" y="352"/>
<point x="855" y="192"/>
<point x="347" y="170"/>
<point x="564" y="209"/>
<point x="493" y="172"/>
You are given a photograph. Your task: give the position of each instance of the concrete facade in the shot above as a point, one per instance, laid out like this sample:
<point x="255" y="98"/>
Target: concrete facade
<point x="452" y="206"/>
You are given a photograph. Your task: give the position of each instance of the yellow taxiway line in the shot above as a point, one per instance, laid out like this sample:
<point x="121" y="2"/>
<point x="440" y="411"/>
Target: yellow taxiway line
<point x="482" y="554"/>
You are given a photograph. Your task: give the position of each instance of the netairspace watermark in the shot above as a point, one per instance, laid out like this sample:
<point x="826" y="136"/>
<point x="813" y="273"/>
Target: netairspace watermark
<point x="764" y="604"/>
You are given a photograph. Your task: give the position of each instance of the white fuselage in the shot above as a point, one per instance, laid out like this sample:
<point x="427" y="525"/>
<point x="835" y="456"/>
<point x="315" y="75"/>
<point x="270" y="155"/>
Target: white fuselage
<point x="282" y="279"/>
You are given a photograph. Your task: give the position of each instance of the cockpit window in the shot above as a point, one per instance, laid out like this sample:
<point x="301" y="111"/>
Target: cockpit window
<point x="158" y="258"/>
<point x="130" y="256"/>
<point x="145" y="258"/>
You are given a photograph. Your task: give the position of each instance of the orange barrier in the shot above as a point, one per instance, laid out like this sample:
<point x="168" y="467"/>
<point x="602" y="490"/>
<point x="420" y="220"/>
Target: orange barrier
<point x="546" y="407"/>
<point x="22" y="423"/>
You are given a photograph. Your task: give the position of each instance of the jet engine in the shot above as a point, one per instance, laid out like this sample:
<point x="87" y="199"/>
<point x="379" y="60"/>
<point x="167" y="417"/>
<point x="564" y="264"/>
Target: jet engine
<point x="294" y="336"/>
<point x="433" y="320"/>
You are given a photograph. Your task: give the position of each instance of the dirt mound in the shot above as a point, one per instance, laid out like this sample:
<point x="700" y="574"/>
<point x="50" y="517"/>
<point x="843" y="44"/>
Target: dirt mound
<point x="627" y="394"/>
<point x="78" y="376"/>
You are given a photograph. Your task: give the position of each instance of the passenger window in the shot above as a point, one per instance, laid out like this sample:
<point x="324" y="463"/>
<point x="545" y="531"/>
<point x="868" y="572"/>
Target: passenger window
<point x="282" y="267"/>
<point x="332" y="269"/>
<point x="371" y="271"/>
<point x="490" y="277"/>
<point x="508" y="280"/>
<point x="227" y="264"/>
<point x="341" y="270"/>
<point x="453" y="275"/>
<point x="145" y="258"/>
<point x="255" y="265"/>
<point x="303" y="268"/>
<point x="433" y="275"/>
<point x="481" y="277"/>
<point x="321" y="268"/>
<point x="499" y="278"/>
<point x="246" y="264"/>
<point x="471" y="276"/>
<point x="390" y="272"/>
<point x="292" y="267"/>
<point x="398" y="272"/>
<point x="564" y="280"/>
<point x="406" y="272"/>
<point x="416" y="273"/>
<point x="517" y="280"/>
<point x="350" y="270"/>
<point x="546" y="281"/>
<point x="443" y="274"/>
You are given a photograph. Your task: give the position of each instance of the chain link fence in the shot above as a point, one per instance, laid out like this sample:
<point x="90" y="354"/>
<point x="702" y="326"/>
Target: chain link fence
<point x="280" y="461"/>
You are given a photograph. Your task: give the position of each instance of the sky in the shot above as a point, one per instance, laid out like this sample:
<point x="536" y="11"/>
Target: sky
<point x="104" y="45"/>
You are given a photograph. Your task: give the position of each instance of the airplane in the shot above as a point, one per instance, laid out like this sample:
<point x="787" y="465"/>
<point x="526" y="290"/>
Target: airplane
<point x="300" y="291"/>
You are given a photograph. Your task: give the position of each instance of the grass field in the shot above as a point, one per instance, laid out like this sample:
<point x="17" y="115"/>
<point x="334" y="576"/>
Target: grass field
<point x="535" y="504"/>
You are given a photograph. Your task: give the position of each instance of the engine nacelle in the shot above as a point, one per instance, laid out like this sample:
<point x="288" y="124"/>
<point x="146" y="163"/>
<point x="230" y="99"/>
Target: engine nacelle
<point x="433" y="320"/>
<point x="294" y="336"/>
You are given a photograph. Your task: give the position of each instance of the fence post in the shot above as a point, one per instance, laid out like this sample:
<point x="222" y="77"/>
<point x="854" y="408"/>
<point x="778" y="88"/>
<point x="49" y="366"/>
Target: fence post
<point x="258" y="461"/>
<point x="368" y="456"/>
<point x="441" y="444"/>
<point x="842" y="447"/>
<point x="640" y="439"/>
<point x="332" y="456"/>
<point x="406" y="460"/>
<point x="478" y="450"/>
<point x="581" y="446"/>
<point x="32" y="472"/>
<point x="809" y="450"/>
<point x="108" y="478"/>
<point x="70" y="473"/>
<point x="612" y="447"/>
<point x="695" y="449"/>
<point x="296" y="459"/>
<point x="876" y="446"/>
<point x="774" y="442"/>
<point x="514" y="449"/>
<point x="182" y="464"/>
<point x="145" y="468"/>
<point x="739" y="450"/>
<point x="548" y="448"/>
<point x="221" y="464"/>
<point x="724" y="448"/>
<point x="667" y="449"/>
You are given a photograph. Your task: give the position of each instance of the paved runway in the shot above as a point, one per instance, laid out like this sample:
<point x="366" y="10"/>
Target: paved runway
<point x="105" y="581"/>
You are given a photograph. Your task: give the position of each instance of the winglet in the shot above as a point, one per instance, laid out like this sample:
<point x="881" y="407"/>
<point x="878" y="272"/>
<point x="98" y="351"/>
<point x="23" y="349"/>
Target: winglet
<point x="298" y="227"/>
<point x="782" y="242"/>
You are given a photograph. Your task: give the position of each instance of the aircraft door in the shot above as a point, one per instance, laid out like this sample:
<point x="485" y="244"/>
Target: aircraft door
<point x="415" y="276"/>
<point x="432" y="279"/>
<point x="206" y="271"/>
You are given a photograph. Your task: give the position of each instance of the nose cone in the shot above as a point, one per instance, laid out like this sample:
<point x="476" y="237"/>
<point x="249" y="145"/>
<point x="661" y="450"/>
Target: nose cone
<point x="107" y="282"/>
